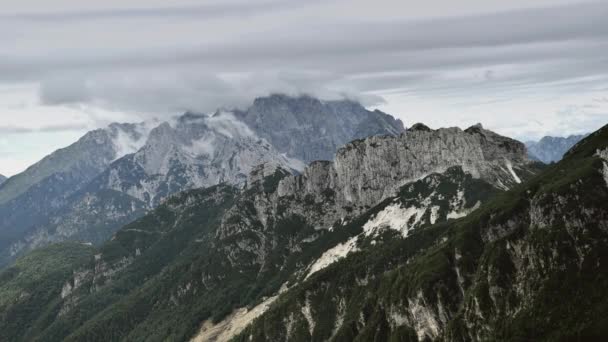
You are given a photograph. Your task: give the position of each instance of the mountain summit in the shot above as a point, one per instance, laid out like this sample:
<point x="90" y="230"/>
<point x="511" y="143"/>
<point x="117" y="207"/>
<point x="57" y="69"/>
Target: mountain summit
<point x="309" y="129"/>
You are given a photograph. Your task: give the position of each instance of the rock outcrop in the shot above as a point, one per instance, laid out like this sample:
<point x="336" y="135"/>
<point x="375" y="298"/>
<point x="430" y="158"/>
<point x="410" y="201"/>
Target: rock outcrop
<point x="368" y="170"/>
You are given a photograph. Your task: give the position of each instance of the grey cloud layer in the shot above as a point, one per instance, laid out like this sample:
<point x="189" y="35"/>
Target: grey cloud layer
<point x="225" y="54"/>
<point x="198" y="12"/>
<point x="44" y="129"/>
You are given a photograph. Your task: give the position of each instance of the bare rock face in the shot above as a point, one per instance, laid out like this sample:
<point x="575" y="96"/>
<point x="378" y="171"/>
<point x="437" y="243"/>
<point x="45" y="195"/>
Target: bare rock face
<point x="366" y="171"/>
<point x="196" y="151"/>
<point x="308" y="129"/>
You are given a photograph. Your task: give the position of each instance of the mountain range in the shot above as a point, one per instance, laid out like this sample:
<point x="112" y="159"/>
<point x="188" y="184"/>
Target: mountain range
<point x="2" y="179"/>
<point x="114" y="175"/>
<point x="221" y="228"/>
<point x="552" y="149"/>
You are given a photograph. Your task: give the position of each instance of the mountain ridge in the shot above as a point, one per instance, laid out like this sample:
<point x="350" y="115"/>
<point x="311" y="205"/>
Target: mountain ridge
<point x="551" y="149"/>
<point x="507" y="271"/>
<point x="113" y="175"/>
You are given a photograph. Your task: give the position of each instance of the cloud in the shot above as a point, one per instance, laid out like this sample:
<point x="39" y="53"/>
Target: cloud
<point x="159" y="60"/>
<point x="43" y="129"/>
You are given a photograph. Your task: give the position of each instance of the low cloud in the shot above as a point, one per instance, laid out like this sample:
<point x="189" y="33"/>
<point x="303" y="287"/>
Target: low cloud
<point x="44" y="129"/>
<point x="161" y="61"/>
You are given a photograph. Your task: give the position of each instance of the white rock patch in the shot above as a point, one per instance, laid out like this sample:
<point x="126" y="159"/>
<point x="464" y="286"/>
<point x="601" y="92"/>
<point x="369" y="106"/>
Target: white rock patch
<point x="233" y="324"/>
<point x="332" y="255"/>
<point x="306" y="311"/>
<point x="462" y="213"/>
<point x="394" y="217"/>
<point x="604" y="155"/>
<point x="510" y="168"/>
<point x="434" y="214"/>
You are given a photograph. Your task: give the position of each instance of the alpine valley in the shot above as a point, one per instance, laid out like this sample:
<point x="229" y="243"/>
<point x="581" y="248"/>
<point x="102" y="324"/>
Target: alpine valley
<point x="305" y="220"/>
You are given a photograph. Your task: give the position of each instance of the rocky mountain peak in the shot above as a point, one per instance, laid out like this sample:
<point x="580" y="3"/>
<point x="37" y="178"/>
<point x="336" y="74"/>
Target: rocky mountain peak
<point x="366" y="171"/>
<point x="420" y="127"/>
<point x="309" y="129"/>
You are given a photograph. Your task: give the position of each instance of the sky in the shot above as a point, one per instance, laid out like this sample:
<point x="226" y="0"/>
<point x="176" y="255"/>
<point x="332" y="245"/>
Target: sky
<point x="524" y="68"/>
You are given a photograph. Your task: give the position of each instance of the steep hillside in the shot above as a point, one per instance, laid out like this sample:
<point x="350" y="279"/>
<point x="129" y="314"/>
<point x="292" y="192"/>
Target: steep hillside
<point x="204" y="256"/>
<point x="32" y="289"/>
<point x="530" y="264"/>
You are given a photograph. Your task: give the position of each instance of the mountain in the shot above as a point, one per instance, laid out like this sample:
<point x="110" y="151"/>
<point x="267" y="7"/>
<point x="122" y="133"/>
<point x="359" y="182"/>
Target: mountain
<point x="29" y="198"/>
<point x="308" y="129"/>
<point x="2" y="179"/>
<point x="194" y="151"/>
<point x="113" y="176"/>
<point x="89" y="155"/>
<point x="552" y="149"/>
<point x="529" y="264"/>
<point x="206" y="262"/>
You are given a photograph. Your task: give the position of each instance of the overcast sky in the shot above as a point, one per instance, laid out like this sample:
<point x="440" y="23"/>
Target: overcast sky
<point x="524" y="68"/>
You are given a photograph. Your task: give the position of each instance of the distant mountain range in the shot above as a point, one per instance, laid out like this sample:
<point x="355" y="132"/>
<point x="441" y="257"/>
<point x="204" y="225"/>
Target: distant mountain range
<point x="552" y="149"/>
<point x="111" y="176"/>
<point x="2" y="179"/>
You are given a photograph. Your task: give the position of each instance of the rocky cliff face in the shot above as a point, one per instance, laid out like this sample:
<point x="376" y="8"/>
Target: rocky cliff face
<point x="528" y="265"/>
<point x="308" y="129"/>
<point x="368" y="170"/>
<point x="552" y="149"/>
<point x="196" y="151"/>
